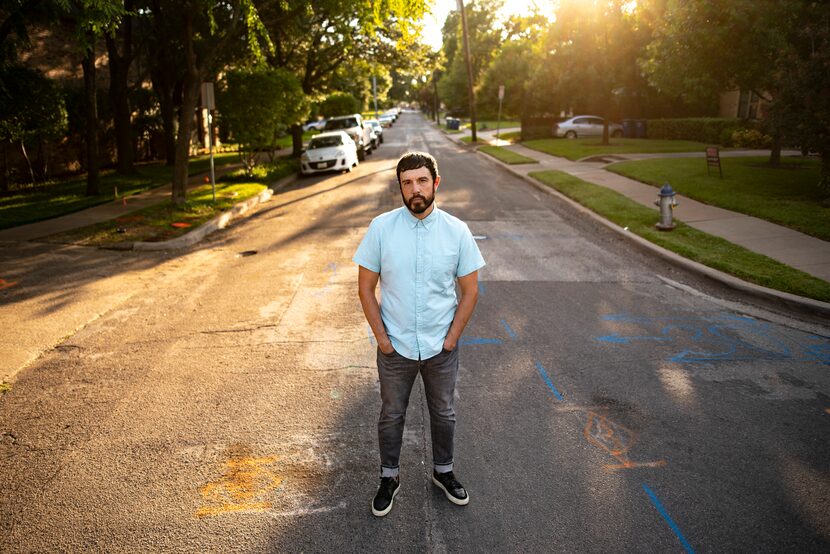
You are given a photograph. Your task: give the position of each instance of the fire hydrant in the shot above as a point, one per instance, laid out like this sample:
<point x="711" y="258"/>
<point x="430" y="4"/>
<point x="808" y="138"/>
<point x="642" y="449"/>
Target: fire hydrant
<point x="666" y="201"/>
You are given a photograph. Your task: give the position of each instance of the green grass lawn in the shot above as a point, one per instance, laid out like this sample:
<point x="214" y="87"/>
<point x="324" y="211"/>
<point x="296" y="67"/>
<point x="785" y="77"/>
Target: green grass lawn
<point x="577" y="149"/>
<point x="162" y="221"/>
<point x="69" y="195"/>
<point x="687" y="241"/>
<point x="288" y="142"/>
<point x="786" y="195"/>
<point x="506" y="156"/>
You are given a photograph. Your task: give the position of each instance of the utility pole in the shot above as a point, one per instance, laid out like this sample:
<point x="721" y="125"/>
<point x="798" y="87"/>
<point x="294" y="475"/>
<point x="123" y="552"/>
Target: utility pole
<point x="469" y="70"/>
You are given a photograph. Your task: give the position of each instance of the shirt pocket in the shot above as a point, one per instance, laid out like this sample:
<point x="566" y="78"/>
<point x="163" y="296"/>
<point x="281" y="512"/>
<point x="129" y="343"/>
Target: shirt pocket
<point x="443" y="270"/>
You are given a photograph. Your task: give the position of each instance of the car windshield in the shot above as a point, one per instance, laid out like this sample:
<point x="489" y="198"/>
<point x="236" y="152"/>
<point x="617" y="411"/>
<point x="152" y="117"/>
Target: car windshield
<point x="334" y="124"/>
<point x="325" y="142"/>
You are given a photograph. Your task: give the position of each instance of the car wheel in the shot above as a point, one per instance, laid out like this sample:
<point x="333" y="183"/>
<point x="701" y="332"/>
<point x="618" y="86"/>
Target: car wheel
<point x="381" y="140"/>
<point x="361" y="154"/>
<point x="616" y="134"/>
<point x="570" y="135"/>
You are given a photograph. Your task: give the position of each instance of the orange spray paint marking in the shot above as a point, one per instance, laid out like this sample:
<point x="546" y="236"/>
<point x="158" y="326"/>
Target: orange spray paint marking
<point x="6" y="284"/>
<point x="244" y="487"/>
<point x="180" y="225"/>
<point x="615" y="439"/>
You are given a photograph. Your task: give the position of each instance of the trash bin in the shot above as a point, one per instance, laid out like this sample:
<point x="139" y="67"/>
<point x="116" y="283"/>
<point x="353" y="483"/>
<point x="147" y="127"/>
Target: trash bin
<point x="453" y="123"/>
<point x="629" y="128"/>
<point x="641" y="128"/>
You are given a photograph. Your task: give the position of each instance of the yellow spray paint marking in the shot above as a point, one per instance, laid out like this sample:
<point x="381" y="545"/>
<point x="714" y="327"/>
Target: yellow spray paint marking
<point x="244" y="487"/>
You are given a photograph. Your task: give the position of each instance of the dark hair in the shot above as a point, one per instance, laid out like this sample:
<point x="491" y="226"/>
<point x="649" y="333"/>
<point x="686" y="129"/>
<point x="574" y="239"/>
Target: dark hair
<point x="414" y="160"/>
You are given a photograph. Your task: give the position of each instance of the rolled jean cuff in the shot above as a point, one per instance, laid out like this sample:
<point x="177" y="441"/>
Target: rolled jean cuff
<point x="389" y="471"/>
<point x="443" y="468"/>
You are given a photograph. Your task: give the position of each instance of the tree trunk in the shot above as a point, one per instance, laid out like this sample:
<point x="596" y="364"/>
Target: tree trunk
<point x="28" y="161"/>
<point x="91" y="101"/>
<point x="775" y="151"/>
<point x="824" y="181"/>
<point x="4" y="176"/>
<point x="190" y="98"/>
<point x="169" y="128"/>
<point x="296" y="141"/>
<point x="119" y="97"/>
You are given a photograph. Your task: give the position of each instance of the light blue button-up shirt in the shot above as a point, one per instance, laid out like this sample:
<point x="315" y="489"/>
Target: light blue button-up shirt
<point x="418" y="261"/>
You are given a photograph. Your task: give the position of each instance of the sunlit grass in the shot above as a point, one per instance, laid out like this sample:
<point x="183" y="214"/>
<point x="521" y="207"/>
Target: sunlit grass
<point x="61" y="197"/>
<point x="576" y="149"/>
<point x="690" y="243"/>
<point x="786" y="195"/>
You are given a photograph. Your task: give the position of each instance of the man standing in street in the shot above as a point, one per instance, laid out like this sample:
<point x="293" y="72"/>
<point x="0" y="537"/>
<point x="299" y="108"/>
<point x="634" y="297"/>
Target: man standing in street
<point x="417" y="252"/>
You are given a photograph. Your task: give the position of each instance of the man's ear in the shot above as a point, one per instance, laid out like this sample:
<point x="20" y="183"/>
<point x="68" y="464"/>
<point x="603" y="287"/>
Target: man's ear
<point x="437" y="181"/>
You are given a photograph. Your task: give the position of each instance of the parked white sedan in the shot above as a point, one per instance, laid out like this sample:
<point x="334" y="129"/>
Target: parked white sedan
<point x="585" y="126"/>
<point x="329" y="151"/>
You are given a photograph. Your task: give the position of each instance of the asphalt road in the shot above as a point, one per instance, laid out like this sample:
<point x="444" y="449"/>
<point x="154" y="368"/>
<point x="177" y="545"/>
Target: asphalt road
<point x="225" y="399"/>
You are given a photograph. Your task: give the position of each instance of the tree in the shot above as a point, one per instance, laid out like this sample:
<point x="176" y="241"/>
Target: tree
<point x="595" y="48"/>
<point x="315" y="39"/>
<point x="120" y="55"/>
<point x="339" y="103"/>
<point x="32" y="108"/>
<point x="484" y="37"/>
<point x="257" y="105"/>
<point x="92" y="18"/>
<point x="703" y="47"/>
<point x="211" y="34"/>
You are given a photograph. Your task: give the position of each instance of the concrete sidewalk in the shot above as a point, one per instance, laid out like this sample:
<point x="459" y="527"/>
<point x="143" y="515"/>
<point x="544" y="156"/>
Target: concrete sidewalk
<point x="803" y="252"/>
<point x="104" y="212"/>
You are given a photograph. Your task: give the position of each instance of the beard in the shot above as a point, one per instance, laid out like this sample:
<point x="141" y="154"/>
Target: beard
<point x="418" y="204"/>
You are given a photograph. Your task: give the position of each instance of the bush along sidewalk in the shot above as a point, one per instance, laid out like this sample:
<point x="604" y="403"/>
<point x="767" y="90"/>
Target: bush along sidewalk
<point x="686" y="241"/>
<point x="67" y="196"/>
<point x="165" y="221"/>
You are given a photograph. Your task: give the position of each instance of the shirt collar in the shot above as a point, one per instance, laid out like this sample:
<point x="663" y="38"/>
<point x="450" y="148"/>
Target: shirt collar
<point x="413" y="221"/>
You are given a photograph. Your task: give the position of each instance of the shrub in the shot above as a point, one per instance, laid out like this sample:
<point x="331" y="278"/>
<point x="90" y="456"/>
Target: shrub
<point x="713" y="130"/>
<point x="538" y="127"/>
<point x="751" y="138"/>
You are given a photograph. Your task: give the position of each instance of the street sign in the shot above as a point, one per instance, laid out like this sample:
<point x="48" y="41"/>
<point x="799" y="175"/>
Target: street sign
<point x="501" y="92"/>
<point x="713" y="159"/>
<point x="207" y="96"/>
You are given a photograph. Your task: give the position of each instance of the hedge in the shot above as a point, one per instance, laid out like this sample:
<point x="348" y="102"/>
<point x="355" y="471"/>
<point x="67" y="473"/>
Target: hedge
<point x="713" y="130"/>
<point x="538" y="127"/>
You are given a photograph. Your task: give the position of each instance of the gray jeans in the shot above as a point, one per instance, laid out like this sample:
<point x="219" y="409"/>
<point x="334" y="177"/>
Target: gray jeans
<point x="397" y="375"/>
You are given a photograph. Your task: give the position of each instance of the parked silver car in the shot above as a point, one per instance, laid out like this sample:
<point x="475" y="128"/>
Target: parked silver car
<point x="585" y="126"/>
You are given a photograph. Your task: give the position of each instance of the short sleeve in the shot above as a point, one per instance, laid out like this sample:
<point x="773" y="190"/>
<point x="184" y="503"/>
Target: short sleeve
<point x="368" y="253"/>
<point x="469" y="257"/>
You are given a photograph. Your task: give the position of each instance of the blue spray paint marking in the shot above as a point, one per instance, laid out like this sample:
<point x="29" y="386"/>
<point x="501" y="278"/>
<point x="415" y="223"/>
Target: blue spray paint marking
<point x="510" y="331"/>
<point x="467" y="341"/>
<point x="332" y="267"/>
<point x="723" y="338"/>
<point x="549" y="383"/>
<point x="371" y="335"/>
<point x="657" y="504"/>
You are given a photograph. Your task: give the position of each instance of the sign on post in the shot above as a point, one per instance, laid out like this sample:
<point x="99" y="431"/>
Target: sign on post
<point x="209" y="103"/>
<point x="498" y="122"/>
<point x="207" y="96"/>
<point x="713" y="160"/>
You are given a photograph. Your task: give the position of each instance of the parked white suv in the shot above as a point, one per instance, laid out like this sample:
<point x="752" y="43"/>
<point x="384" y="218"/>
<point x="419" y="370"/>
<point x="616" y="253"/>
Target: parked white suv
<point x="353" y="126"/>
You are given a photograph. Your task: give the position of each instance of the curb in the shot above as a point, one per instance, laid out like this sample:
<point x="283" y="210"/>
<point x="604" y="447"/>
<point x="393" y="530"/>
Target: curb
<point x="219" y="222"/>
<point x="799" y="303"/>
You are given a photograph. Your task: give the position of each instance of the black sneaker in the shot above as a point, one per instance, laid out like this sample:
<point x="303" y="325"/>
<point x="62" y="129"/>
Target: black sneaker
<point x="452" y="488"/>
<point x="382" y="504"/>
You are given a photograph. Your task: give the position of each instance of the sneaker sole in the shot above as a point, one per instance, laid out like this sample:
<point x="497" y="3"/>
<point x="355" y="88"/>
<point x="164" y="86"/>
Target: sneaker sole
<point x="381" y="513"/>
<point x="451" y="498"/>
